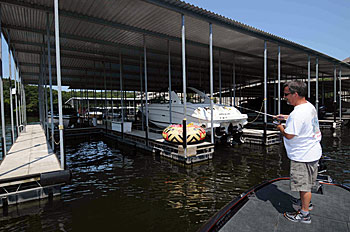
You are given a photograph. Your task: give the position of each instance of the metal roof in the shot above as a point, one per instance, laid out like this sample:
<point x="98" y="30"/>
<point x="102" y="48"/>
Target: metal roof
<point x="94" y="33"/>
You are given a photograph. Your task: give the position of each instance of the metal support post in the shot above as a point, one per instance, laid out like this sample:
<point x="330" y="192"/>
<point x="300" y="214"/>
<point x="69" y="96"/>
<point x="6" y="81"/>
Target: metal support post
<point x="335" y="96"/>
<point x="234" y="82"/>
<point x="279" y="80"/>
<point x="220" y="86"/>
<point x="308" y="76"/>
<point x="121" y="91"/>
<point x="211" y="81"/>
<point x="146" y="89"/>
<point x="46" y="109"/>
<point x="316" y="94"/>
<point x="169" y="73"/>
<point x="141" y="96"/>
<point x="19" y="119"/>
<point x="184" y="121"/>
<point x="58" y="71"/>
<point x="10" y="84"/>
<point x="50" y="78"/>
<point x="16" y="103"/>
<point x="2" y="103"/>
<point x="340" y="107"/>
<point x="265" y="92"/>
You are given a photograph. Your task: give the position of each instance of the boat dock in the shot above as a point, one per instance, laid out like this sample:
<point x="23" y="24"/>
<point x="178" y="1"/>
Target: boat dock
<point x="155" y="143"/>
<point x="262" y="208"/>
<point x="257" y="136"/>
<point x="30" y="170"/>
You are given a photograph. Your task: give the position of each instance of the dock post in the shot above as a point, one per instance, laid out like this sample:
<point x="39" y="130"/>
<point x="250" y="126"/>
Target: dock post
<point x="105" y="94"/>
<point x="141" y="95"/>
<point x="184" y="123"/>
<point x="25" y="106"/>
<point x="111" y="93"/>
<point x="220" y="100"/>
<point x="322" y="90"/>
<point x="3" y="137"/>
<point x="50" y="78"/>
<point x="233" y="101"/>
<point x="265" y="92"/>
<point x="308" y="76"/>
<point x="19" y="118"/>
<point x="169" y="74"/>
<point x="121" y="91"/>
<point x="15" y="80"/>
<point x="134" y="106"/>
<point x="340" y="94"/>
<point x="45" y="94"/>
<point x="211" y="81"/>
<point x="335" y="97"/>
<point x="58" y="71"/>
<point x="279" y="80"/>
<point x="316" y="94"/>
<point x="146" y="90"/>
<point x="10" y="86"/>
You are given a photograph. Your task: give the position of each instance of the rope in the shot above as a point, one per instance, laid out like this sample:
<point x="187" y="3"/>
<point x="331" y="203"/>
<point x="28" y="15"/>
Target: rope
<point x="54" y="140"/>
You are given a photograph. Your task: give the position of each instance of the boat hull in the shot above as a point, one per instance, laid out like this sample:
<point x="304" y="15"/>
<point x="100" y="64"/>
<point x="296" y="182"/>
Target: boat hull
<point x="198" y="114"/>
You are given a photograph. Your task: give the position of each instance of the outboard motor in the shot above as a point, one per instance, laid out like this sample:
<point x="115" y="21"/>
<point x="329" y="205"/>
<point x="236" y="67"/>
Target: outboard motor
<point x="322" y="112"/>
<point x="236" y="133"/>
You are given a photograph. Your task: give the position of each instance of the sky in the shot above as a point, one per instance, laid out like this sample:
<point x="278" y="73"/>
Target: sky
<point x="322" y="25"/>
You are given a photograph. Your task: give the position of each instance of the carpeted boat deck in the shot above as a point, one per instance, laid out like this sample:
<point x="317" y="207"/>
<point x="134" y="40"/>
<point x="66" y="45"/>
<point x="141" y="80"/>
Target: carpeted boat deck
<point x="264" y="210"/>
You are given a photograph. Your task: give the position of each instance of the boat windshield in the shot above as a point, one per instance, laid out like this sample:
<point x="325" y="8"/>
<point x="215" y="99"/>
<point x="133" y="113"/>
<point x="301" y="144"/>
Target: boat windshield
<point x="194" y="98"/>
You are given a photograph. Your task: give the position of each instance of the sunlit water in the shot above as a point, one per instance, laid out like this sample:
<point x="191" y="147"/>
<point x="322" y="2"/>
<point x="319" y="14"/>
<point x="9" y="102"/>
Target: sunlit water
<point x="121" y="189"/>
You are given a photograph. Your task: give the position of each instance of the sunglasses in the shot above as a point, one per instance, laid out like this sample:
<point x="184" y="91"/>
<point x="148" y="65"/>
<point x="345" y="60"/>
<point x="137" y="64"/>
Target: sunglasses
<point x="286" y="94"/>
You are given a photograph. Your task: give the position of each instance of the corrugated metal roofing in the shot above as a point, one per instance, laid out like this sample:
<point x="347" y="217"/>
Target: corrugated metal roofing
<point x="93" y="33"/>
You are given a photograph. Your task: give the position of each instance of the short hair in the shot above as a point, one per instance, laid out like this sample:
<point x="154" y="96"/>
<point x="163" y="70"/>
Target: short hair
<point x="296" y="87"/>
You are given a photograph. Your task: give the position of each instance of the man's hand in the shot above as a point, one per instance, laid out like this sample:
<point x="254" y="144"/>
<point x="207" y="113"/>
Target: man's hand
<point x="281" y="129"/>
<point x="281" y="117"/>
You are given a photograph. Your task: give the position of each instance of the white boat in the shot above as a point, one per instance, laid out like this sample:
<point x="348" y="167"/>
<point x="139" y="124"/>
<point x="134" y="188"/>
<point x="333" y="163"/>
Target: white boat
<point x="227" y="120"/>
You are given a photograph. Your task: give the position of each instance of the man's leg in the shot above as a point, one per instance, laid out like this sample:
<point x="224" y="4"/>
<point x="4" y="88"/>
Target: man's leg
<point x="305" y="198"/>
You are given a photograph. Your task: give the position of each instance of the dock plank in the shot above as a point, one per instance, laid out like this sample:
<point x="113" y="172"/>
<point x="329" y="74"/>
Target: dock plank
<point x="30" y="154"/>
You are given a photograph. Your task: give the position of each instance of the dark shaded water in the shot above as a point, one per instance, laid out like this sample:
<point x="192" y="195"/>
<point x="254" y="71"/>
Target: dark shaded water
<point x="121" y="189"/>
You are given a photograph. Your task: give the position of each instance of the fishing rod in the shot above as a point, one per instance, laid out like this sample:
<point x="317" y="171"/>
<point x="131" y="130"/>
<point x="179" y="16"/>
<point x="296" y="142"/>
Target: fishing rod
<point x="275" y="120"/>
<point x="270" y="115"/>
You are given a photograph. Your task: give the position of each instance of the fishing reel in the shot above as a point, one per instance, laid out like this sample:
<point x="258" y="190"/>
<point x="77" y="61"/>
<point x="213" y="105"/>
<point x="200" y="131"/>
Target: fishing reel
<point x="276" y="122"/>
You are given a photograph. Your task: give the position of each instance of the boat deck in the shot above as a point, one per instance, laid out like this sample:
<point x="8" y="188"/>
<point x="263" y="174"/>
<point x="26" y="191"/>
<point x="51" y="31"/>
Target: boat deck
<point x="263" y="210"/>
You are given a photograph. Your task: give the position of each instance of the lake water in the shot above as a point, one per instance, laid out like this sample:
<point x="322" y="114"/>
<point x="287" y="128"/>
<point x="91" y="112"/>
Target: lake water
<point x="118" y="188"/>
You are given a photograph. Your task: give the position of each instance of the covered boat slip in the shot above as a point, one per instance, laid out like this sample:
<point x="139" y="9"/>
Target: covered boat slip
<point x="150" y="45"/>
<point x="262" y="210"/>
<point x="30" y="169"/>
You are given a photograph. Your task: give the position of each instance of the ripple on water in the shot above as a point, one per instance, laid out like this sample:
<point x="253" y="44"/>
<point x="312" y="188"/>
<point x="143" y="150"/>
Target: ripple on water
<point x="123" y="189"/>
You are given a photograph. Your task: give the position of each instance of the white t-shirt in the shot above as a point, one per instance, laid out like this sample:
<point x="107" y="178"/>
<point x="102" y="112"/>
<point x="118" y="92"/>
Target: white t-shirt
<point x="303" y="123"/>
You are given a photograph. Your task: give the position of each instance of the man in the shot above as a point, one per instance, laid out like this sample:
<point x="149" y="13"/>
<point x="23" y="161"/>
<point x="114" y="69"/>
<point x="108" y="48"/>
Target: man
<point x="302" y="138"/>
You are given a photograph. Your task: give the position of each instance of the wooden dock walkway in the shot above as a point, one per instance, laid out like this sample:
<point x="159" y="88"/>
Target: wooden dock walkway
<point x="30" y="154"/>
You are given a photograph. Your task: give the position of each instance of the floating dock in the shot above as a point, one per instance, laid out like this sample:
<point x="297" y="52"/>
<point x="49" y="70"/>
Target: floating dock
<point x="30" y="170"/>
<point x="257" y="136"/>
<point x="327" y="124"/>
<point x="262" y="208"/>
<point x="155" y="143"/>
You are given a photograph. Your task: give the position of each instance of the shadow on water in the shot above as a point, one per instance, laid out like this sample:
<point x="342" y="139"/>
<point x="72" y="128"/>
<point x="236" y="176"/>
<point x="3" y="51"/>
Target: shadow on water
<point x="120" y="188"/>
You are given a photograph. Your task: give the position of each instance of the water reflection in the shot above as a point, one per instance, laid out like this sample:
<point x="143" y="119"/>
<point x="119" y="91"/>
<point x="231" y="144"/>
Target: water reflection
<point x="120" y="188"/>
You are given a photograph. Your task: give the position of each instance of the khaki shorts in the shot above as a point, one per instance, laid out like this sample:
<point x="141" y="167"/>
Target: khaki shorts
<point x="303" y="175"/>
